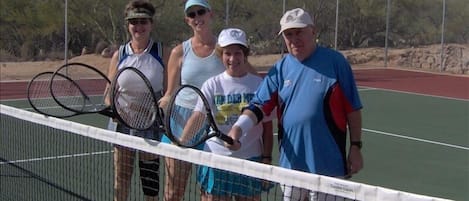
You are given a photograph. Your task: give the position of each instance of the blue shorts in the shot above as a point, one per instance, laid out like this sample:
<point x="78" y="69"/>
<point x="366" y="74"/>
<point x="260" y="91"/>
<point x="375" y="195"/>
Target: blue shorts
<point x="222" y="183"/>
<point x="184" y="112"/>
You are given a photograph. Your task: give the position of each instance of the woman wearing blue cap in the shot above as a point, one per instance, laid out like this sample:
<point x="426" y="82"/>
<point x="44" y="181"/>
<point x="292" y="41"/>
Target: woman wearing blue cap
<point x="192" y="62"/>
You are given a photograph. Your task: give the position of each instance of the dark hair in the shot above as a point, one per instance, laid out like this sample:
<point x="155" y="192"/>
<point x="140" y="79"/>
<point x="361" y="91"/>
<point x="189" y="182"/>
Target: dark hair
<point x="144" y="5"/>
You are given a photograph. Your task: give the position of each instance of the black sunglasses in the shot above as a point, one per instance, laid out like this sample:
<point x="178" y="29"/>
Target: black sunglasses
<point x="196" y="13"/>
<point x="142" y="21"/>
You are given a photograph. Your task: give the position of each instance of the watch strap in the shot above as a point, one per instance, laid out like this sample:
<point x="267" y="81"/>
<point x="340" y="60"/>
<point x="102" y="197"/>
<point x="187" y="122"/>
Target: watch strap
<point x="359" y="144"/>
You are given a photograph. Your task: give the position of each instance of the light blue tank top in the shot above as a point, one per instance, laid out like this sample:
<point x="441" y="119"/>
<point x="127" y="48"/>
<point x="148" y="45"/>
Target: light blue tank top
<point x="196" y="70"/>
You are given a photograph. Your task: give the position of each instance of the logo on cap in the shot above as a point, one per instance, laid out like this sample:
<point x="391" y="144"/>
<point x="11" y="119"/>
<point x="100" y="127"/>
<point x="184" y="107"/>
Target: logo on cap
<point x="235" y="33"/>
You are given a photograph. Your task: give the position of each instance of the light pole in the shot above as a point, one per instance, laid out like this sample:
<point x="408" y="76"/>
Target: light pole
<point x="336" y="23"/>
<point x="388" y="9"/>
<point x="442" y="55"/>
<point x="66" y="32"/>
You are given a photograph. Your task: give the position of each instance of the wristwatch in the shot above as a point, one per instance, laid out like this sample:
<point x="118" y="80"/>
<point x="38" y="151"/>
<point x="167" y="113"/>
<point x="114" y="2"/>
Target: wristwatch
<point x="359" y="144"/>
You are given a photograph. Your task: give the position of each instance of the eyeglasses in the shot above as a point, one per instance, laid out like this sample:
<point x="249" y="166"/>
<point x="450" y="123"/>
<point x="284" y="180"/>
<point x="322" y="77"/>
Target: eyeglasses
<point x="142" y="21"/>
<point x="200" y="12"/>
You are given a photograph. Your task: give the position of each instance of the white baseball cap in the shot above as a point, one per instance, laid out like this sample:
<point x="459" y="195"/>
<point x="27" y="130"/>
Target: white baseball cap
<point x="232" y="36"/>
<point x="295" y="18"/>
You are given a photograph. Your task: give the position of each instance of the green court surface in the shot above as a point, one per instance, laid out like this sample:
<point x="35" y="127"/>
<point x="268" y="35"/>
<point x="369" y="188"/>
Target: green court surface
<point x="413" y="143"/>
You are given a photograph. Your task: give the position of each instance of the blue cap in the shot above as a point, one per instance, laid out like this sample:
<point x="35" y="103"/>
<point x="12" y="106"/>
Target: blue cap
<point x="202" y="3"/>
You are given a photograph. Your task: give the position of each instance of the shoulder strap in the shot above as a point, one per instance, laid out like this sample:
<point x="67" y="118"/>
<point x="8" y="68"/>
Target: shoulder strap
<point x="157" y="52"/>
<point x="122" y="54"/>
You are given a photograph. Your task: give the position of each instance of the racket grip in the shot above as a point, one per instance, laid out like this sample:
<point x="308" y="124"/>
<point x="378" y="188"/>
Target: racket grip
<point x="227" y="139"/>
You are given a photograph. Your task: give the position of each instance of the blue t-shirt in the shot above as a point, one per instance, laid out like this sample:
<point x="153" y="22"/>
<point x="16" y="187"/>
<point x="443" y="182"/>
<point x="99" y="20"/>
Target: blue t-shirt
<point x="313" y="98"/>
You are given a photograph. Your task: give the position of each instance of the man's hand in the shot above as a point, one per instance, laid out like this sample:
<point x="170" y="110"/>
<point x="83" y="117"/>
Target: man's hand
<point x="355" y="160"/>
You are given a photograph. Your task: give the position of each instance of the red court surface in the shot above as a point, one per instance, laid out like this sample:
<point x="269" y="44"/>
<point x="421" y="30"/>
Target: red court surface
<point x="444" y="85"/>
<point x="451" y="86"/>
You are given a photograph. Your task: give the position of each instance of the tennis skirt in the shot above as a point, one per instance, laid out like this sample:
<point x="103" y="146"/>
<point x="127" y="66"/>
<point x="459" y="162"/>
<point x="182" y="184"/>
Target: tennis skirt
<point x="222" y="183"/>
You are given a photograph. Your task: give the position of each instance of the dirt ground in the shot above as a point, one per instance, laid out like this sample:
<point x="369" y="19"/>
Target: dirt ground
<point x="366" y="57"/>
<point x="26" y="70"/>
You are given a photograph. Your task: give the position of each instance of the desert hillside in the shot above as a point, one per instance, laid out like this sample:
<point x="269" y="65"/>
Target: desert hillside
<point x="455" y="57"/>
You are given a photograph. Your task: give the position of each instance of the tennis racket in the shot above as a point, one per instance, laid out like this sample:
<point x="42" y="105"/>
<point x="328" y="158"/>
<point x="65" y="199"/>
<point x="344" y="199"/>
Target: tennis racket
<point x="81" y="89"/>
<point x="133" y="100"/>
<point x="40" y="98"/>
<point x="189" y="126"/>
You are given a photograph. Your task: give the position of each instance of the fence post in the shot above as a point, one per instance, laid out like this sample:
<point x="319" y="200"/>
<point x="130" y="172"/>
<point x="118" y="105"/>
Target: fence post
<point x="442" y="56"/>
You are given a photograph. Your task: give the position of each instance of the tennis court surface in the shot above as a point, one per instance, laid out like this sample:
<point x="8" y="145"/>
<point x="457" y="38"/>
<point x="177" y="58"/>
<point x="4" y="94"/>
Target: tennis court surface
<point x="415" y="133"/>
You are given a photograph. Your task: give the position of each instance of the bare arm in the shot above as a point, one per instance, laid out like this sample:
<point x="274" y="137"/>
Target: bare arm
<point x="166" y="53"/>
<point x="111" y="72"/>
<point x="192" y="127"/>
<point x="355" y="158"/>
<point x="268" y="140"/>
<point x="173" y="74"/>
<point x="236" y="132"/>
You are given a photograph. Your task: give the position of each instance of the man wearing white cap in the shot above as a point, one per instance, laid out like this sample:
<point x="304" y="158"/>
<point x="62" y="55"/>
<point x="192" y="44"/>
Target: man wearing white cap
<point x="317" y="98"/>
<point x="227" y="93"/>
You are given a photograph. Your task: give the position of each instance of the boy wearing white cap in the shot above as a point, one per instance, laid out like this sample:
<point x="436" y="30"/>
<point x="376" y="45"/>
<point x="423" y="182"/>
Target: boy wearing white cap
<point x="227" y="93"/>
<point x="315" y="92"/>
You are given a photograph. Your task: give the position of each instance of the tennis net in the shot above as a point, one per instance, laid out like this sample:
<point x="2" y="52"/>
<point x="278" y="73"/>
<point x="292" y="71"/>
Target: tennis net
<point x="45" y="158"/>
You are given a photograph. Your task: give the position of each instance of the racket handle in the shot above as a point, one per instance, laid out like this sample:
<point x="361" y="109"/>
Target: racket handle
<point x="227" y="139"/>
<point x="108" y="112"/>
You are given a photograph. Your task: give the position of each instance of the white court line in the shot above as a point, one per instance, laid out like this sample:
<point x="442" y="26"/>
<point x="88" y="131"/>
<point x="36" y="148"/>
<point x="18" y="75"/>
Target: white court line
<point x="406" y="137"/>
<point x="108" y="152"/>
<point x="365" y="88"/>
<point x="412" y="138"/>
<point x="57" y="157"/>
<point x="416" y="139"/>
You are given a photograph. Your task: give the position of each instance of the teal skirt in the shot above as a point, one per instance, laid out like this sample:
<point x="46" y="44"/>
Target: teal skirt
<point x="184" y="112"/>
<point x="222" y="183"/>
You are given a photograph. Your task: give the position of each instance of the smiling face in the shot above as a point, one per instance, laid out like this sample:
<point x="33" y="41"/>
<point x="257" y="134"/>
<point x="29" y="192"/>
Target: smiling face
<point x="234" y="60"/>
<point x="198" y="17"/>
<point x="140" y="28"/>
<point x="139" y="19"/>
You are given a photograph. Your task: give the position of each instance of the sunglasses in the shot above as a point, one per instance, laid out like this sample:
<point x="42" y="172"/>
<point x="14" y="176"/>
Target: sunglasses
<point x="200" y="12"/>
<point x="142" y="21"/>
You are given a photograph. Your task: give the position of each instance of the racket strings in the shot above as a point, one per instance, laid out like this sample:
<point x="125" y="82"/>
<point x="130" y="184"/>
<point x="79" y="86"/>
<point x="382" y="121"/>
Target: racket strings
<point x="134" y="100"/>
<point x="68" y="94"/>
<point x="187" y="125"/>
<point x="80" y="88"/>
<point x="40" y="98"/>
<point x="144" y="110"/>
<point x="136" y="110"/>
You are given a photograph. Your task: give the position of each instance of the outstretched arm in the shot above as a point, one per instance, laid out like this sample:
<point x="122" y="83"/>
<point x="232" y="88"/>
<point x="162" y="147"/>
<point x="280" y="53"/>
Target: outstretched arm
<point x="248" y="119"/>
